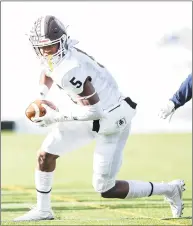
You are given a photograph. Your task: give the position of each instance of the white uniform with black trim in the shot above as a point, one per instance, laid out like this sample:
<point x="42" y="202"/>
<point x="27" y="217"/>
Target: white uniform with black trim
<point x="73" y="71"/>
<point x="71" y="75"/>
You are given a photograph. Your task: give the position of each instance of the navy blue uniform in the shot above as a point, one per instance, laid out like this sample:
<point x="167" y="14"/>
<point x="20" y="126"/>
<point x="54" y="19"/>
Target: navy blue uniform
<point x="184" y="93"/>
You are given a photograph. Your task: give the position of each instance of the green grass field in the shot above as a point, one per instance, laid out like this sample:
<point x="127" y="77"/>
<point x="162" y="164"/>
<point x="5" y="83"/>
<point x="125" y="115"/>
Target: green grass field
<point x="158" y="157"/>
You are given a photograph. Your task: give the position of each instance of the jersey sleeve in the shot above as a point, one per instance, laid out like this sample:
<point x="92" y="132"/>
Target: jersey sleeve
<point x="75" y="80"/>
<point x="184" y="93"/>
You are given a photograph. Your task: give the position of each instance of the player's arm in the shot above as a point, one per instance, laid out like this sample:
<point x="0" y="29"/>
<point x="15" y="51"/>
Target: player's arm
<point x="91" y="109"/>
<point x="181" y="96"/>
<point x="45" y="83"/>
<point x="184" y="93"/>
<point x="87" y="95"/>
<point x="80" y="83"/>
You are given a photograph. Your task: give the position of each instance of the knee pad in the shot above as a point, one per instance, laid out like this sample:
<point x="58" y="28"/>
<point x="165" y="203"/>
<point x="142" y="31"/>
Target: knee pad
<point x="102" y="183"/>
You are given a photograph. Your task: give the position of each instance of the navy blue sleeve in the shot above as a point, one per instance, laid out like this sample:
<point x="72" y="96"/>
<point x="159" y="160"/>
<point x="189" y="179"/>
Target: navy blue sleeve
<point x="184" y="93"/>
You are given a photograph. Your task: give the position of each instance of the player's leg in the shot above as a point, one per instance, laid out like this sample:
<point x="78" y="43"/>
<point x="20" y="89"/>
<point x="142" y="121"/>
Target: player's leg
<point x="59" y="141"/>
<point x="107" y="162"/>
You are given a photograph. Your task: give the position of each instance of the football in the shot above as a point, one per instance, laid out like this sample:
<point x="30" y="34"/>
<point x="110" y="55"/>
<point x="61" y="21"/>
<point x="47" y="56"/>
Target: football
<point x="35" y="109"/>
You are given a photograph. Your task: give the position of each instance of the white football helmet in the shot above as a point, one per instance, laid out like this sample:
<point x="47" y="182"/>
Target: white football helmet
<point x="48" y="31"/>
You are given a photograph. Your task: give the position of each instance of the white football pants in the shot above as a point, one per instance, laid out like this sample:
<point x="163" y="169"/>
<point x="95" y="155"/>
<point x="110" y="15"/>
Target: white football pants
<point x="110" y="143"/>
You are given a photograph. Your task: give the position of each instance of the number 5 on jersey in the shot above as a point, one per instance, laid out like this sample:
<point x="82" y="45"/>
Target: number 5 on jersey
<point x="77" y="83"/>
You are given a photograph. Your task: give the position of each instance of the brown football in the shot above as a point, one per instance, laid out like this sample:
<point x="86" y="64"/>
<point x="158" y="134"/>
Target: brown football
<point x="35" y="109"/>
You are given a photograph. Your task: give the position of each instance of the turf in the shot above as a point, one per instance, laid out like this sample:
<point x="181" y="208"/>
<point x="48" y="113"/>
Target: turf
<point x="156" y="157"/>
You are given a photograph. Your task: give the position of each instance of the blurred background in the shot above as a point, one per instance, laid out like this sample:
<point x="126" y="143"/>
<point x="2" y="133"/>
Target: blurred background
<point x="147" y="46"/>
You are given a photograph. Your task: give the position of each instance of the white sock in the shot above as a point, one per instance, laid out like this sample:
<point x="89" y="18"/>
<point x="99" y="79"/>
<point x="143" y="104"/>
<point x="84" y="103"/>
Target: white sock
<point x="161" y="189"/>
<point x="138" y="189"/>
<point x="43" y="182"/>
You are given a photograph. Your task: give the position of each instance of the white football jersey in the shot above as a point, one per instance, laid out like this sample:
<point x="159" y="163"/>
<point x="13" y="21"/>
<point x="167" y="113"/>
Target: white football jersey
<point x="73" y="71"/>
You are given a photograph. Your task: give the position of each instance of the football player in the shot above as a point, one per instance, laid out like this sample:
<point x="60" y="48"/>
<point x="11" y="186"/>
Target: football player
<point x="102" y="113"/>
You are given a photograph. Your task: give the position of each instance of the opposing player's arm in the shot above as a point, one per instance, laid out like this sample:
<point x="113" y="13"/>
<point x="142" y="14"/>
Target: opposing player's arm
<point x="184" y="93"/>
<point x="180" y="97"/>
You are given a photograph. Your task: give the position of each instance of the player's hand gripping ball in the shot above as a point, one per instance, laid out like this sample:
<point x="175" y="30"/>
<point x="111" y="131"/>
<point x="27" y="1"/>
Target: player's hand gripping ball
<point x="35" y="109"/>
